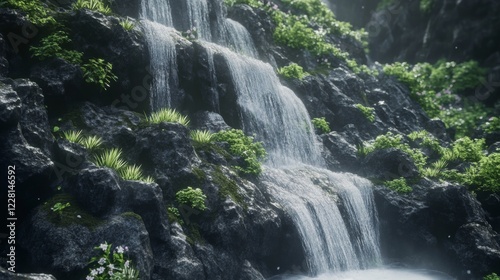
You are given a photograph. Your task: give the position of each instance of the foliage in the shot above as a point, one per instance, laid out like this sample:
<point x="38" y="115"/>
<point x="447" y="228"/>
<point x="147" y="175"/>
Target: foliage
<point x="59" y="207"/>
<point x="321" y="124"/>
<point x="111" y="158"/>
<point x="492" y="125"/>
<point x="227" y="187"/>
<point x="399" y="185"/>
<point x="111" y="265"/>
<point x="131" y="172"/>
<point x="293" y="71"/>
<point x="194" y="198"/>
<point x="191" y="34"/>
<point x="91" y="142"/>
<point x="492" y="276"/>
<point x="36" y="12"/>
<point x="469" y="150"/>
<point x="426" y="139"/>
<point x="244" y="147"/>
<point x="53" y="46"/>
<point x="426" y="5"/>
<point x="94" y="5"/>
<point x="98" y="71"/>
<point x="127" y="24"/>
<point x="465" y="118"/>
<point x="486" y="173"/>
<point x="174" y="215"/>
<point x="202" y="136"/>
<point x="167" y="115"/>
<point x="368" y="112"/>
<point x="73" y="136"/>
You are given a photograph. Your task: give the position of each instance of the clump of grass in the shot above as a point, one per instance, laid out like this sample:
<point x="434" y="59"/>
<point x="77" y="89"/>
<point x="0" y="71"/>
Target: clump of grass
<point x="167" y="115"/>
<point x="73" y="136"/>
<point x="91" y="142"/>
<point x="95" y="5"/>
<point x="202" y="136"/>
<point x="111" y="158"/>
<point x="131" y="172"/>
<point x="127" y="24"/>
<point x="368" y="112"/>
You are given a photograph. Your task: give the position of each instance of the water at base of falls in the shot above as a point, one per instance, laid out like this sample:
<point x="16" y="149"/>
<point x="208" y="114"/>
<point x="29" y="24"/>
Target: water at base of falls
<point x="373" y="274"/>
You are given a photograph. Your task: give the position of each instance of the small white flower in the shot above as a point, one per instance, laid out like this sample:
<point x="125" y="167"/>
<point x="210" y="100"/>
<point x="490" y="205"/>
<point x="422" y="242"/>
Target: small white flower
<point x="89" y="278"/>
<point x="100" y="270"/>
<point x="110" y="273"/>
<point x="111" y="266"/>
<point x="93" y="272"/>
<point x="127" y="264"/>
<point x="103" y="246"/>
<point x="119" y="250"/>
<point x="78" y="216"/>
<point x="101" y="261"/>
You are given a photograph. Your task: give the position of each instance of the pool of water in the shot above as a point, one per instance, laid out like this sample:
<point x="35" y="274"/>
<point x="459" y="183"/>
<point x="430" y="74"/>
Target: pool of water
<point x="373" y="274"/>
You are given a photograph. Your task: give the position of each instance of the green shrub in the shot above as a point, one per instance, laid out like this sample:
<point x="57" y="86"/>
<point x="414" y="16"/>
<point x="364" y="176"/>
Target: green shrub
<point x="492" y="125"/>
<point x="174" y="215"/>
<point x="95" y="5"/>
<point x="486" y="173"/>
<point x="202" y="136"/>
<point x="399" y="185"/>
<point x="492" y="276"/>
<point x="368" y="112"/>
<point x="54" y="46"/>
<point x="111" y="158"/>
<point x="469" y="150"/>
<point x="464" y="118"/>
<point x="243" y="146"/>
<point x="36" y="12"/>
<point x="426" y="139"/>
<point x="73" y="136"/>
<point x="167" y="115"/>
<point x="321" y="124"/>
<point x="98" y="71"/>
<point x="195" y="198"/>
<point x="426" y="5"/>
<point x="293" y="71"/>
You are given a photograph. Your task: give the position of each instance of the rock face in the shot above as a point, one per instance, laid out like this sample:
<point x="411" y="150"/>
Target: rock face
<point x="243" y="233"/>
<point x="437" y="226"/>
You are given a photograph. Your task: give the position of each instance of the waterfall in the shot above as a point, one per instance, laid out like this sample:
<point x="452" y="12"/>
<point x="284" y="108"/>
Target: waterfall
<point x="163" y="66"/>
<point x="238" y="38"/>
<point x="157" y="10"/>
<point x="197" y="16"/>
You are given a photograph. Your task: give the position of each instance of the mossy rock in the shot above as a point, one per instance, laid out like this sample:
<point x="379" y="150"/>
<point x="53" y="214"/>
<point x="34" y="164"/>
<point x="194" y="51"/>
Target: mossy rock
<point x="70" y="215"/>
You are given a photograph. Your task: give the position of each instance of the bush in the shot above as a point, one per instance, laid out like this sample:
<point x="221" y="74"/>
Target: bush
<point x="167" y="115"/>
<point x="492" y="276"/>
<point x="486" y="173"/>
<point x="95" y="5"/>
<point x="399" y="185"/>
<point x="492" y="125"/>
<point x="111" y="158"/>
<point x="36" y="12"/>
<point x="53" y="46"/>
<point x="293" y="71"/>
<point x="321" y="124"/>
<point x="195" y="198"/>
<point x="243" y="146"/>
<point x="469" y="150"/>
<point x="98" y="71"/>
<point x="368" y="112"/>
<point x="202" y="136"/>
<point x="111" y="264"/>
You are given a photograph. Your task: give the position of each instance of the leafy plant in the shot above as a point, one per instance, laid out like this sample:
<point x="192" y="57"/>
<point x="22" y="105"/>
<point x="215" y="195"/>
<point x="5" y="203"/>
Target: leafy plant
<point x="202" y="136"/>
<point x="53" y="46"/>
<point x="91" y="142"/>
<point x="485" y="173"/>
<point x="98" y="71"/>
<point x="95" y="5"/>
<point x="174" y="215"/>
<point x="244" y="147"/>
<point x="492" y="125"/>
<point x="111" y="265"/>
<point x="469" y="150"/>
<point x="148" y="179"/>
<point x="191" y="34"/>
<point x="426" y="139"/>
<point x="73" y="136"/>
<point x="321" y="124"/>
<point x="194" y="198"/>
<point x="110" y="158"/>
<point x="399" y="185"/>
<point x="492" y="276"/>
<point x="131" y="172"/>
<point x="167" y="115"/>
<point x="368" y="112"/>
<point x="293" y="71"/>
<point x="127" y="24"/>
<point x="59" y="207"/>
<point x="35" y="10"/>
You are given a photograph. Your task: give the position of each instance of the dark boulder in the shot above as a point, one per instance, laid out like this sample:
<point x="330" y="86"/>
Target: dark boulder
<point x="344" y="154"/>
<point x="4" y="64"/>
<point x="439" y="227"/>
<point x="210" y="121"/>
<point x="10" y="106"/>
<point x="5" y="274"/>
<point x="127" y="8"/>
<point x="389" y="164"/>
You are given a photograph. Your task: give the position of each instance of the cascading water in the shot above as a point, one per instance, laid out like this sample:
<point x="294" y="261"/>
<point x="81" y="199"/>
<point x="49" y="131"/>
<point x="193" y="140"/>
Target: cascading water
<point x="293" y="175"/>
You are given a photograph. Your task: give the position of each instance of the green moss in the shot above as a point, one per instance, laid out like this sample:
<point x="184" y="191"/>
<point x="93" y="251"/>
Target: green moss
<point x="193" y="235"/>
<point x="174" y="215"/>
<point x="200" y="174"/>
<point x="368" y="112"/>
<point x="73" y="214"/>
<point x="321" y="124"/>
<point x="131" y="215"/>
<point x="227" y="187"/>
<point x="399" y="185"/>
